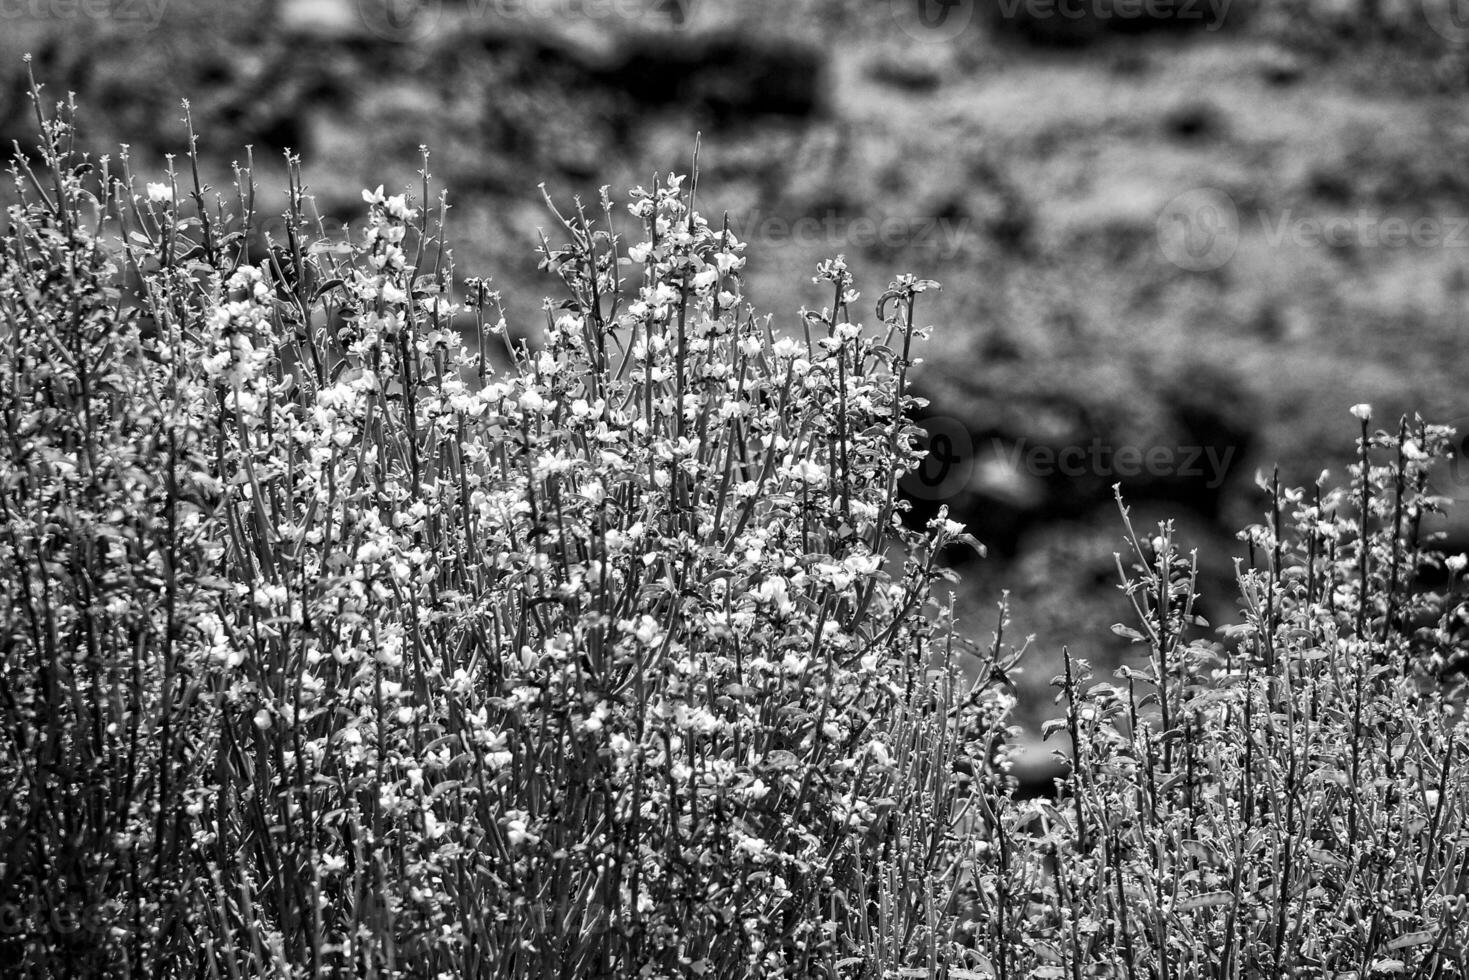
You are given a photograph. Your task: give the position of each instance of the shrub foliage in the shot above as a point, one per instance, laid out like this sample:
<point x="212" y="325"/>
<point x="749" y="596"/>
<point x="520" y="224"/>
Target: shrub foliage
<point x="336" y="644"/>
<point x="345" y="633"/>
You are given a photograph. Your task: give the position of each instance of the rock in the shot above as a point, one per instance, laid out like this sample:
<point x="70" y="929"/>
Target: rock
<point x="1194" y="121"/>
<point x="1281" y="68"/>
<point x="906" y="74"/>
<point x="727" y="77"/>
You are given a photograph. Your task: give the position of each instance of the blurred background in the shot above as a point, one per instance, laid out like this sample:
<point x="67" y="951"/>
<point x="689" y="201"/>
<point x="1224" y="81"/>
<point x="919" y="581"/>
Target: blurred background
<point x="1177" y="238"/>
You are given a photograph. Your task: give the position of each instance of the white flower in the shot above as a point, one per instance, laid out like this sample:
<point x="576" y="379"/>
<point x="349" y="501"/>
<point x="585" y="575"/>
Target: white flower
<point x="159" y="192"/>
<point x="755" y="791"/>
<point x="753" y="846"/>
<point x="646" y="630"/>
<point x="1362" y="410"/>
<point x="398" y="208"/>
<point x="620" y="745"/>
<point x="516" y="830"/>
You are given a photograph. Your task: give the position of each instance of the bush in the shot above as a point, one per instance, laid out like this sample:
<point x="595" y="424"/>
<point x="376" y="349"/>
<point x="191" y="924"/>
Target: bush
<point x="336" y="643"/>
<point x="335" y="647"/>
<point x="1291" y="802"/>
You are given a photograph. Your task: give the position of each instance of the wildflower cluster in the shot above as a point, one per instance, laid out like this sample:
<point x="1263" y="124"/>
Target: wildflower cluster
<point x="1288" y="802"/>
<point x="350" y="634"/>
<point x="347" y="631"/>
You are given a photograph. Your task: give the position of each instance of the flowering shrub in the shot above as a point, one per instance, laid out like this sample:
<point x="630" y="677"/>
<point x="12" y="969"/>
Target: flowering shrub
<point x="347" y="634"/>
<point x="1290" y="802"/>
<point x="338" y="644"/>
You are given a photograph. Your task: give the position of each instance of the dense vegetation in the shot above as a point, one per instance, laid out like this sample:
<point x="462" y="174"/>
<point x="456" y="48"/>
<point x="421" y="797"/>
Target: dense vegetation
<point x="344" y="633"/>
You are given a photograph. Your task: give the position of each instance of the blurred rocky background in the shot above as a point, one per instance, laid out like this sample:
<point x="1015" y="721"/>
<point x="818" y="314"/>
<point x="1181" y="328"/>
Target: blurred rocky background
<point x="1177" y="238"/>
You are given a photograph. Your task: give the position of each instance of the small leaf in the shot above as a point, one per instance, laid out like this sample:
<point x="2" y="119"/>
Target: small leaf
<point x="1208" y="900"/>
<point x="1047" y="952"/>
<point x="325" y="288"/>
<point x="1325" y="857"/>
<point x="444" y="787"/>
<point x="1421" y="938"/>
